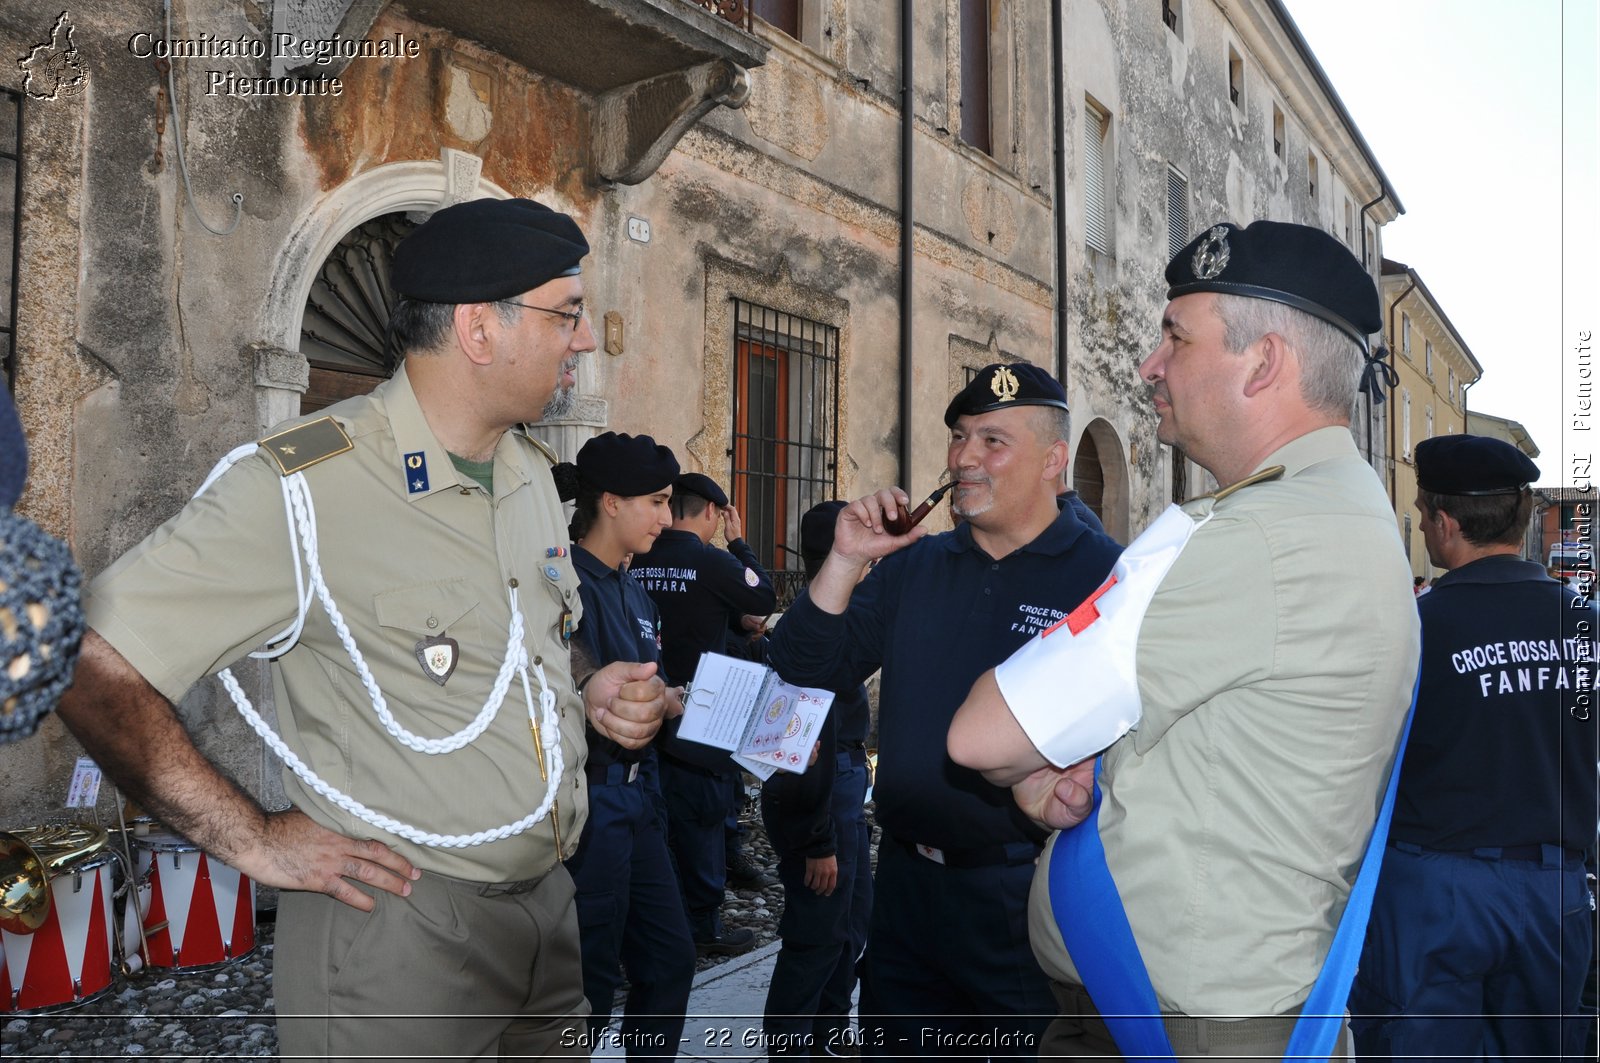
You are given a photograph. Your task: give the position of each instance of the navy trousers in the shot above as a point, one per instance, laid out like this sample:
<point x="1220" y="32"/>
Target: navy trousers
<point x="948" y="970"/>
<point x="808" y="999"/>
<point x="631" y="913"/>
<point x="697" y="810"/>
<point x="1474" y="957"/>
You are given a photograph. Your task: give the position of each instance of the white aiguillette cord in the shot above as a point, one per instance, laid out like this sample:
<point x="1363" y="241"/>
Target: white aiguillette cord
<point x="303" y="542"/>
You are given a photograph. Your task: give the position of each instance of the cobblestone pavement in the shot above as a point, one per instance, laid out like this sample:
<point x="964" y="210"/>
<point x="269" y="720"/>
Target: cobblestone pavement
<point x="228" y="1013"/>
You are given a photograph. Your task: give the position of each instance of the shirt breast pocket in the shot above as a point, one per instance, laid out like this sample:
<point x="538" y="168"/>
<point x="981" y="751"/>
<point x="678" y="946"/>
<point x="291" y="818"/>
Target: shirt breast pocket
<point x="429" y="614"/>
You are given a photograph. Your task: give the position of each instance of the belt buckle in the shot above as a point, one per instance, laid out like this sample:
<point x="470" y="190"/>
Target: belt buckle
<point x="928" y="852"/>
<point x="633" y="771"/>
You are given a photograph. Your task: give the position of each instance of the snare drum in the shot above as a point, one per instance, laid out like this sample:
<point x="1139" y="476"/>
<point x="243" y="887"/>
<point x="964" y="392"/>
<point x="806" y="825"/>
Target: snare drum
<point x="67" y="961"/>
<point x="198" y="911"/>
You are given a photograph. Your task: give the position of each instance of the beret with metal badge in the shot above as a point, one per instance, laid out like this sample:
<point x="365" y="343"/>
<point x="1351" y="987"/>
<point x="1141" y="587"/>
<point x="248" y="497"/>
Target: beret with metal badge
<point x="1002" y="385"/>
<point x="1296" y="265"/>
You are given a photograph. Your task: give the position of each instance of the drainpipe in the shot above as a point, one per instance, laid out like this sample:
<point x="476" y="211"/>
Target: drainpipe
<point x="1383" y="193"/>
<point x="1057" y="79"/>
<point x="1393" y="485"/>
<point x="907" y="238"/>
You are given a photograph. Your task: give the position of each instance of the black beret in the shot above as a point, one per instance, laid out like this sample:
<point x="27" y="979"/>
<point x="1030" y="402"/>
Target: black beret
<point x="1001" y="385"/>
<point x="626" y="465"/>
<point x="1473" y="465"/>
<point x="1296" y="265"/>
<point x="13" y="451"/>
<point x="486" y="250"/>
<point x="698" y="483"/>
<point x="816" y="529"/>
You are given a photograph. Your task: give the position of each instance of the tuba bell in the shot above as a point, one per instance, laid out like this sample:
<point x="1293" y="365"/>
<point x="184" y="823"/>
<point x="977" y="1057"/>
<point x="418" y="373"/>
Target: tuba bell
<point x="29" y="858"/>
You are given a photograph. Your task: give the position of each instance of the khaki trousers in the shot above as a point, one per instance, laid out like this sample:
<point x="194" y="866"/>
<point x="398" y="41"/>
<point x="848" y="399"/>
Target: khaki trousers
<point x="1080" y="1033"/>
<point x="457" y="969"/>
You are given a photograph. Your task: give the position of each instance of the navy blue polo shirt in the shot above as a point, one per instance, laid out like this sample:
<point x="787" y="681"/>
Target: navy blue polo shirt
<point x="701" y="592"/>
<point x="1503" y="747"/>
<point x="619" y="624"/>
<point x="935" y="616"/>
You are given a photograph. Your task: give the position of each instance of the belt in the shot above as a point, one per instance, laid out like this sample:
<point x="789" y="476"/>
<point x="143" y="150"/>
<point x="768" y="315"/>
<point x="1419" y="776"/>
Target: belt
<point x="1550" y="855"/>
<point x="1007" y="855"/>
<point x="1187" y="1030"/>
<point x="610" y="774"/>
<point x="495" y="889"/>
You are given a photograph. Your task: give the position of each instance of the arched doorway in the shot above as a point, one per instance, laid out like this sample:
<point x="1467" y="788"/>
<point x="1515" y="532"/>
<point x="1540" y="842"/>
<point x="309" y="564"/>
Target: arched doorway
<point x="1100" y="475"/>
<point x="360" y="219"/>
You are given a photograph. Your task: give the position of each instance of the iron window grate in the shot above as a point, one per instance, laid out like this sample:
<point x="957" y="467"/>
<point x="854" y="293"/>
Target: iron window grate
<point x="785" y="428"/>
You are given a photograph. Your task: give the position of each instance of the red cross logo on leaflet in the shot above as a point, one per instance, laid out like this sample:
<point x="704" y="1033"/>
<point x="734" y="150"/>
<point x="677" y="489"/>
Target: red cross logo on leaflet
<point x="1085" y="614"/>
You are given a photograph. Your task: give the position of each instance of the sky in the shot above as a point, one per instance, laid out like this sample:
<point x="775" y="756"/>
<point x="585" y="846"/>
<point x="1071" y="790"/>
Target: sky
<point x="1483" y="115"/>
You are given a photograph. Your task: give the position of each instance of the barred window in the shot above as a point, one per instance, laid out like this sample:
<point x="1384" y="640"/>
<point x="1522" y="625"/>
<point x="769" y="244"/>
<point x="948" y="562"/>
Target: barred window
<point x="10" y="225"/>
<point x="785" y="429"/>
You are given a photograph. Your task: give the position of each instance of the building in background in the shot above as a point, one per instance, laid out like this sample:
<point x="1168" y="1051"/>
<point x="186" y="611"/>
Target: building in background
<point x="1513" y="432"/>
<point x="1435" y="369"/>
<point x="791" y="274"/>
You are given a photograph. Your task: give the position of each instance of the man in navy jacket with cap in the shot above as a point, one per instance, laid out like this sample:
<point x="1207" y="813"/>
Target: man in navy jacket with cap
<point x="1481" y="934"/>
<point x="947" y="960"/>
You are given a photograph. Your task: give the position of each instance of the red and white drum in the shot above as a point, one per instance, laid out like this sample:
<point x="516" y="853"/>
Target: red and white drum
<point x="67" y="961"/>
<point x="198" y="911"/>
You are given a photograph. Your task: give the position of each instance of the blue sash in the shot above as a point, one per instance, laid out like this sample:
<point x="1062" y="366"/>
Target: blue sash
<point x="1103" y="948"/>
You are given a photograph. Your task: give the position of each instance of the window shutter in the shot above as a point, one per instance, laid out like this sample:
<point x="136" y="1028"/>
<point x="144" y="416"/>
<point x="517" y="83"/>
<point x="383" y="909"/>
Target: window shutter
<point x="1177" y="212"/>
<point x="1096" y="232"/>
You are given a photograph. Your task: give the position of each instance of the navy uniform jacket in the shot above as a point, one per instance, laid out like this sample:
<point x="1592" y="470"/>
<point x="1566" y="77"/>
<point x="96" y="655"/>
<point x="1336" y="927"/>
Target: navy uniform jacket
<point x="620" y="623"/>
<point x="935" y="616"/>
<point x="1503" y="747"/>
<point x="700" y="591"/>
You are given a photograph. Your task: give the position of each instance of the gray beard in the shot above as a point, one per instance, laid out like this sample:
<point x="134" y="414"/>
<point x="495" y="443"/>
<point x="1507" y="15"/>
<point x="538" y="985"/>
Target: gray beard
<point x="562" y="403"/>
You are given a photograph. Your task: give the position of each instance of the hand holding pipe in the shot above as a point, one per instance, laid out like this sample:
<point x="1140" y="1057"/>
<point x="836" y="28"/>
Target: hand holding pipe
<point x="904" y="522"/>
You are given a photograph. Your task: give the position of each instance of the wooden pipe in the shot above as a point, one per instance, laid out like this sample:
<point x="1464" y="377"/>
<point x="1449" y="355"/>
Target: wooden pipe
<point x="904" y="522"/>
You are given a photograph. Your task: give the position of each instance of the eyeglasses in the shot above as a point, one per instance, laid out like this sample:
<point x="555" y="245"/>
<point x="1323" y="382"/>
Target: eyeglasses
<point x="572" y="316"/>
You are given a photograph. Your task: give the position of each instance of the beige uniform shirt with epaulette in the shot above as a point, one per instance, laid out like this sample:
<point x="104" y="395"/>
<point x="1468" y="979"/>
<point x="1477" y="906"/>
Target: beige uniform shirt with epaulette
<point x="1275" y="665"/>
<point x="410" y="550"/>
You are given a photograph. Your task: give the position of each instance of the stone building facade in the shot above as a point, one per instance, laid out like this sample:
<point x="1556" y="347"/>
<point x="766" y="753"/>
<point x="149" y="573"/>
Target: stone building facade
<point x="202" y="227"/>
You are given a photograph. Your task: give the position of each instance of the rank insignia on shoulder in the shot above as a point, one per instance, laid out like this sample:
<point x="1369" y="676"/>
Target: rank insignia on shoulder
<point x="416" y="472"/>
<point x="438" y="657"/>
<point x="304" y="445"/>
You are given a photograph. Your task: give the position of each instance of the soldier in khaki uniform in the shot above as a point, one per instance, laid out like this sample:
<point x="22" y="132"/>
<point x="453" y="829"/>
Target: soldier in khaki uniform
<point x="425" y="691"/>
<point x="1272" y="659"/>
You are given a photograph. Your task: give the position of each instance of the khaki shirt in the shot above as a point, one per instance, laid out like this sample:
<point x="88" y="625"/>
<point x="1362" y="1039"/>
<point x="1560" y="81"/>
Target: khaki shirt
<point x="215" y="581"/>
<point x="1276" y="664"/>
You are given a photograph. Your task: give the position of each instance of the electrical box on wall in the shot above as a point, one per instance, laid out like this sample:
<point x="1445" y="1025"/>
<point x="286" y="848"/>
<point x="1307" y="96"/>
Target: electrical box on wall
<point x="638" y="229"/>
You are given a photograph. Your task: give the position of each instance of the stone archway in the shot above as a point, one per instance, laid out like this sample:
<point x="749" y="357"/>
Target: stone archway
<point x="1100" y="475"/>
<point x="282" y="371"/>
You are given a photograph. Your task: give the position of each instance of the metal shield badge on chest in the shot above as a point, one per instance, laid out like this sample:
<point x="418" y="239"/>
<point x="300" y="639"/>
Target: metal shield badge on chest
<point x="438" y="657"/>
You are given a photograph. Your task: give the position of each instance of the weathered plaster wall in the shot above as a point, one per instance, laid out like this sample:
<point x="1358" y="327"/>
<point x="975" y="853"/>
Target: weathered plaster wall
<point x="138" y="328"/>
<point x="1168" y="100"/>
